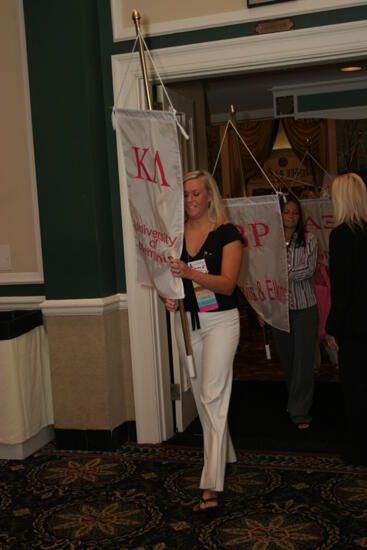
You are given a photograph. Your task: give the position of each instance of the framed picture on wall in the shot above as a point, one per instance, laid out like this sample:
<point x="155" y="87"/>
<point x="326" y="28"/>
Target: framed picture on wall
<point x="255" y="3"/>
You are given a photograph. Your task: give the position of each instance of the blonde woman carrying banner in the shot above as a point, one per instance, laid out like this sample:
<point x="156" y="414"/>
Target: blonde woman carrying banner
<point x="346" y="326"/>
<point x="209" y="267"/>
<point x="296" y="349"/>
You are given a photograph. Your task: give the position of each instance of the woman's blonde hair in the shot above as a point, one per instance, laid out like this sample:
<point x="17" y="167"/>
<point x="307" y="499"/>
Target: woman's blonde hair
<point x="349" y="196"/>
<point x="216" y="213"/>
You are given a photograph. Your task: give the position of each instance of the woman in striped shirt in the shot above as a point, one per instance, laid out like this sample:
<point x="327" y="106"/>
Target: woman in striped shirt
<point x="296" y="349"/>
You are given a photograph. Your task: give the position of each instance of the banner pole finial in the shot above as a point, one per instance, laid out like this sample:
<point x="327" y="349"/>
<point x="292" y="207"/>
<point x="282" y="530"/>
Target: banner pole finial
<point x="136" y="18"/>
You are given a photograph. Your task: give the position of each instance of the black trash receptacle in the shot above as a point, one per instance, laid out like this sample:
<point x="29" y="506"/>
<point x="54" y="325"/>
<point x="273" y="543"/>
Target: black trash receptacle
<point x="18" y="322"/>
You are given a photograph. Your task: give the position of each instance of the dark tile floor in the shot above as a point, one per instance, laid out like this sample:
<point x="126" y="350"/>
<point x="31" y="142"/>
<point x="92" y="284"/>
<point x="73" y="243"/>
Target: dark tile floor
<point x="258" y="420"/>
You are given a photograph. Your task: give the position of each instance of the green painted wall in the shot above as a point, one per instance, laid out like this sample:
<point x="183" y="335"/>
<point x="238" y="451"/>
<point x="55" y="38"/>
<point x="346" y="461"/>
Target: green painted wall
<point x="22" y="290"/>
<point x="332" y="100"/>
<point x="106" y="45"/>
<point x="68" y="114"/>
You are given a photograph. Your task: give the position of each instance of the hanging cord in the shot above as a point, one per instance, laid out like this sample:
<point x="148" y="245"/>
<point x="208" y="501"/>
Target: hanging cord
<point x="229" y="122"/>
<point x="252" y="156"/>
<point x="319" y="165"/>
<point x="171" y="107"/>
<point x="307" y="153"/>
<point x="113" y="116"/>
<point x="299" y="167"/>
<point x="282" y="182"/>
<point x="248" y="150"/>
<point x="220" y="148"/>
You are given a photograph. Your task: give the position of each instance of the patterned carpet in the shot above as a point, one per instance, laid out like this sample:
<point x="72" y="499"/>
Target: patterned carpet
<point x="146" y="497"/>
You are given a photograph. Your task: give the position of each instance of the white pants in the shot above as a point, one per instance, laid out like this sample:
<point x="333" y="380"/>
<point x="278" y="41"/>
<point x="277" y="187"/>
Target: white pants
<point x="213" y="346"/>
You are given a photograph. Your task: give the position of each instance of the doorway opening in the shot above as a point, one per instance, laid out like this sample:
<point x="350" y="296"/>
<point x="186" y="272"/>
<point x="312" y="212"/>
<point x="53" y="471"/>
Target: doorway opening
<point x="240" y="56"/>
<point x="340" y="144"/>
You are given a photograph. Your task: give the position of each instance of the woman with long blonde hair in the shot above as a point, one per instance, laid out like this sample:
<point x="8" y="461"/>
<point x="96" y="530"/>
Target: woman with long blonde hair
<point x="209" y="267"/>
<point x="346" y="326"/>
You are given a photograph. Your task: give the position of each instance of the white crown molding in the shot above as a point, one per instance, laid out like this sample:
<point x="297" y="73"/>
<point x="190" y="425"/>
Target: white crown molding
<point x="88" y="306"/>
<point x="125" y="30"/>
<point x="303" y="47"/>
<point x="10" y="303"/>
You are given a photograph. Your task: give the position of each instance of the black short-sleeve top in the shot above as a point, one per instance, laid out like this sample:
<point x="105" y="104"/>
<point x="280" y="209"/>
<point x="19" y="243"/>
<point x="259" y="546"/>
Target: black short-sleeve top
<point x="211" y="251"/>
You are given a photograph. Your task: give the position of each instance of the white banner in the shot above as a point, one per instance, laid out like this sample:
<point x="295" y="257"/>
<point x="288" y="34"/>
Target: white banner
<point x="319" y="219"/>
<point x="154" y="180"/>
<point x="264" y="275"/>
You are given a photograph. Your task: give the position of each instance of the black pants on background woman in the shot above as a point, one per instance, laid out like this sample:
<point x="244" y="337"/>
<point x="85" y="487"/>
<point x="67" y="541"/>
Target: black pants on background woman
<point x="296" y="351"/>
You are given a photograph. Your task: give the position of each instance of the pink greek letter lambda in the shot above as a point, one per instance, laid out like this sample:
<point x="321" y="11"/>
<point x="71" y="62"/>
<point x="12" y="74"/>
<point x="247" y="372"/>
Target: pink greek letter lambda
<point x="158" y="162"/>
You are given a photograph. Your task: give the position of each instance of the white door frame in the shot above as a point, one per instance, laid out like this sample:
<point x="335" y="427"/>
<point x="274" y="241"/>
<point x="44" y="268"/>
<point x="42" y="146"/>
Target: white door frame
<point x="153" y="411"/>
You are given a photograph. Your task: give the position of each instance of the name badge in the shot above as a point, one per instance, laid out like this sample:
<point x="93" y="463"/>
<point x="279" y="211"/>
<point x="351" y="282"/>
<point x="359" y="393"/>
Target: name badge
<point x="205" y="298"/>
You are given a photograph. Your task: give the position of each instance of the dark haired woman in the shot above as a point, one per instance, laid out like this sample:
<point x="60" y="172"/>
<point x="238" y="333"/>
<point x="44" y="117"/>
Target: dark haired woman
<point x="296" y="349"/>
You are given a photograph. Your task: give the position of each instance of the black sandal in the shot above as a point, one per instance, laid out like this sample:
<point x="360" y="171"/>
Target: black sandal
<point x="210" y="499"/>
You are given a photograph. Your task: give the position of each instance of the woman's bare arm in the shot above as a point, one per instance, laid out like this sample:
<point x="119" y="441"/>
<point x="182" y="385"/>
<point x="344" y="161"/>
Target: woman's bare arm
<point x="222" y="284"/>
